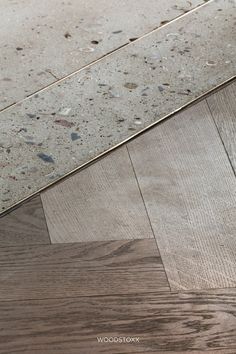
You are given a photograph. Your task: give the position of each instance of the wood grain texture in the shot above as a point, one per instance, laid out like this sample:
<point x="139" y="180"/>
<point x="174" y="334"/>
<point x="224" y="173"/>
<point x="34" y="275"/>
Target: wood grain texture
<point x="202" y="322"/>
<point x="224" y="351"/>
<point x="223" y="108"/>
<point x="102" y="202"/>
<point x="24" y="225"/>
<point x="101" y="268"/>
<point x="190" y="193"/>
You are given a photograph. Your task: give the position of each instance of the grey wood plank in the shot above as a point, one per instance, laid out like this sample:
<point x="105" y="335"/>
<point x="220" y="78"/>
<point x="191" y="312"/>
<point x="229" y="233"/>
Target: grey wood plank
<point x="102" y="202"/>
<point x="24" y="225"/>
<point x="223" y="108"/>
<point x="194" y="322"/>
<point x="96" y="268"/>
<point x="190" y="192"/>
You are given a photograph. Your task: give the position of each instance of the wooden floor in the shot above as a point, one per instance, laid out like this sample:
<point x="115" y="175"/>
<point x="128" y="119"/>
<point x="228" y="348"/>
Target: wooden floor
<point x="140" y="245"/>
<point x="190" y="195"/>
<point x="102" y="202"/>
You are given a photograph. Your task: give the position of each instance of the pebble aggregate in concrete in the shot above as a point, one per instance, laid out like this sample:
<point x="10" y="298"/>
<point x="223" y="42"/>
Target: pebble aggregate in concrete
<point x="54" y="132"/>
<point x="41" y="41"/>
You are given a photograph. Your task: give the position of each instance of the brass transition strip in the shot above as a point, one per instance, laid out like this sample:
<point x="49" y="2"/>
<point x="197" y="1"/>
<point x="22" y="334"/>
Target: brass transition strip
<point x="86" y="164"/>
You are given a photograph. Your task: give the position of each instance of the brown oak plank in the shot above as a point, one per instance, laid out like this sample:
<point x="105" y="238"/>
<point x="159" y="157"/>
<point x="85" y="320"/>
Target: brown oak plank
<point x="24" y="225"/>
<point x="96" y="268"/>
<point x="224" y="351"/>
<point x="99" y="203"/>
<point x="194" y="322"/>
<point x="190" y="193"/>
<point x="223" y="108"/>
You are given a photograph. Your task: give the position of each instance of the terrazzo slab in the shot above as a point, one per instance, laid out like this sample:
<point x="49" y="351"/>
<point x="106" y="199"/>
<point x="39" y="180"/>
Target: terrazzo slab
<point x="54" y="132"/>
<point x="41" y="41"/>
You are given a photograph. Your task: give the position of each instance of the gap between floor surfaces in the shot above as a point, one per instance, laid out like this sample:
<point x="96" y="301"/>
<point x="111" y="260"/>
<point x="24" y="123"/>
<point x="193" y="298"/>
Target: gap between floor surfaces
<point x="45" y="221"/>
<point x="110" y="53"/>
<point x="222" y="141"/>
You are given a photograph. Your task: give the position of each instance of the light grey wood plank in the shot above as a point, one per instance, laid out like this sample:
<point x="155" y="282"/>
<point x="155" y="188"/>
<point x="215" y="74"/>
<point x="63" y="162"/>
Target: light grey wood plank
<point x="223" y="108"/>
<point x="190" y="193"/>
<point x="24" y="225"/>
<point x="102" y="202"/>
<point x="165" y="323"/>
<point x="82" y="269"/>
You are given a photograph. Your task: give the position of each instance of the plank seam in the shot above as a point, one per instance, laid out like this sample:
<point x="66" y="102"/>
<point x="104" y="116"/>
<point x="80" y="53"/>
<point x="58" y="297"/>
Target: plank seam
<point x="221" y="139"/>
<point x="141" y="194"/>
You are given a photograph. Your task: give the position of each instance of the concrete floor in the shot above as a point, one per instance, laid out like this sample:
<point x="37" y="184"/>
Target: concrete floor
<point x="42" y="41"/>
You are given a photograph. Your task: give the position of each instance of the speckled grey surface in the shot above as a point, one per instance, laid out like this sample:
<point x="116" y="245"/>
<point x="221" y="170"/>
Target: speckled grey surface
<point x="47" y="38"/>
<point x="54" y="132"/>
